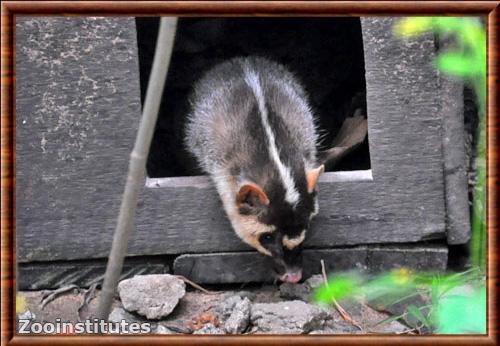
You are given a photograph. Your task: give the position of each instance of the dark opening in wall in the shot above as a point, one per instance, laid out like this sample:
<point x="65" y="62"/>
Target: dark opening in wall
<point x="326" y="55"/>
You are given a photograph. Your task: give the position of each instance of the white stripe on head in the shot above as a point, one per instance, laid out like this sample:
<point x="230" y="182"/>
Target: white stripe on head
<point x="291" y="196"/>
<point x="291" y="243"/>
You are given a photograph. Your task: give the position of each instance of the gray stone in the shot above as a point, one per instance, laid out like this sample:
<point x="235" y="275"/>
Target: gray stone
<point x="239" y="318"/>
<point x="160" y="329"/>
<point x="339" y="328"/>
<point x="154" y="296"/>
<point x="246" y="294"/>
<point x="225" y="309"/>
<point x="368" y="319"/>
<point x="384" y="304"/>
<point x="326" y="331"/>
<point x="301" y="291"/>
<point x="119" y="314"/>
<point x="315" y="281"/>
<point x="295" y="291"/>
<point x="393" y="327"/>
<point x="27" y="315"/>
<point x="292" y="317"/>
<point x="209" y="329"/>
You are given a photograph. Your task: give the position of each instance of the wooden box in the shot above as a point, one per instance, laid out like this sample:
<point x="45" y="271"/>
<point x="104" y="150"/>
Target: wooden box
<point x="77" y="111"/>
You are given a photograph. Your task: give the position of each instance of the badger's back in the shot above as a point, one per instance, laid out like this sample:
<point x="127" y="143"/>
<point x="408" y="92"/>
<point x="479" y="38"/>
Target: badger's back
<point x="247" y="114"/>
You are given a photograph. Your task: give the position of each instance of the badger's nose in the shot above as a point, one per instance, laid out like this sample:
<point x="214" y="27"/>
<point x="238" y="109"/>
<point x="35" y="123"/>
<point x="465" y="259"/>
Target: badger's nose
<point x="292" y="277"/>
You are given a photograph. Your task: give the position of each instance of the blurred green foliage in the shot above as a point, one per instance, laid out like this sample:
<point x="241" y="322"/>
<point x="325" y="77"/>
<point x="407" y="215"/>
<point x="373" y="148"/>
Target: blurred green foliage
<point x="457" y="301"/>
<point x="447" y="293"/>
<point x="20" y="304"/>
<point x="462" y="314"/>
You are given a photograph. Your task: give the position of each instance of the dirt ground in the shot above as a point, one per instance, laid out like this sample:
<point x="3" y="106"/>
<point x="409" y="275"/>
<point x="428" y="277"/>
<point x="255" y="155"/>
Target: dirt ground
<point x="196" y="309"/>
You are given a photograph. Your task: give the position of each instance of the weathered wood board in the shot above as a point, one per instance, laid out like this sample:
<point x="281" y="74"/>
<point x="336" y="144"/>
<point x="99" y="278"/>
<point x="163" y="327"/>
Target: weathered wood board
<point x="188" y="218"/>
<point x="232" y="267"/>
<point x="253" y="267"/>
<point x="83" y="273"/>
<point x="458" y="228"/>
<point x="78" y="109"/>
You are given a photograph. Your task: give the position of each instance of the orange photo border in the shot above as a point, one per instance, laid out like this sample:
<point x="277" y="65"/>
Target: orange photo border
<point x="11" y="9"/>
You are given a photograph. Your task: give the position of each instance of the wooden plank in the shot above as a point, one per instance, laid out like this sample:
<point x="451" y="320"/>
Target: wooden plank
<point x="77" y="111"/>
<point x="190" y="219"/>
<point x="204" y="181"/>
<point x="458" y="227"/>
<point x="242" y="267"/>
<point x="51" y="275"/>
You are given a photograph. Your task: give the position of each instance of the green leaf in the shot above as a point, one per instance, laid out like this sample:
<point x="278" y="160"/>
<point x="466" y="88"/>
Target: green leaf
<point x="405" y="297"/>
<point x="20" y="303"/>
<point x="413" y="26"/>
<point x="415" y="312"/>
<point x="435" y="292"/>
<point x="462" y="314"/>
<point x="337" y="288"/>
<point x="456" y="64"/>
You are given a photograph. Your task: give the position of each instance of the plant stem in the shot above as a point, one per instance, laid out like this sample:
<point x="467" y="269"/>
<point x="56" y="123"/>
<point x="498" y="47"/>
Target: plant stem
<point x="137" y="164"/>
<point x="339" y="307"/>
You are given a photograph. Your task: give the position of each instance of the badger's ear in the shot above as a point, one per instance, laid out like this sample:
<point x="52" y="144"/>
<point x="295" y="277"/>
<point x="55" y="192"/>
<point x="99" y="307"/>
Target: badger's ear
<point x="312" y="176"/>
<point x="251" y="199"/>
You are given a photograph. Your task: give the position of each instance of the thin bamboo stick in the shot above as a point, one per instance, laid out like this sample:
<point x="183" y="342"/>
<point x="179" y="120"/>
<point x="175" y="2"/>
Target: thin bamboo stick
<point x="137" y="164"/>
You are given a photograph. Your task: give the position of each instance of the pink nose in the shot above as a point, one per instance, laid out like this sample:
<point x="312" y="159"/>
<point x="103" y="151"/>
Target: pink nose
<point x="292" y="277"/>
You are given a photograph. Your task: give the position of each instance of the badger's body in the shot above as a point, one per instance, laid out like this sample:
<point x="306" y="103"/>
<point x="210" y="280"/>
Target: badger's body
<point x="252" y="131"/>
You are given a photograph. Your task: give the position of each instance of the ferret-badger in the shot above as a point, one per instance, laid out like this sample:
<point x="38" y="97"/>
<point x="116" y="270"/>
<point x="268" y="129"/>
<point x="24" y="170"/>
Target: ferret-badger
<point x="252" y="130"/>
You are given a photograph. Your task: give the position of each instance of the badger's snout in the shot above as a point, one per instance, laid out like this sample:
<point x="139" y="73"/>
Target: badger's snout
<point x="292" y="276"/>
<point x="287" y="265"/>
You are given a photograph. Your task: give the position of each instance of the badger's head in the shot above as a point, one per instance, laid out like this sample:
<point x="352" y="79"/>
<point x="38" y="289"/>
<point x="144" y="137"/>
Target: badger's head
<point x="264" y="218"/>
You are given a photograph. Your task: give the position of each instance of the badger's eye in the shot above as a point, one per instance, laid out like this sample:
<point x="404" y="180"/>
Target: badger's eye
<point x="267" y="238"/>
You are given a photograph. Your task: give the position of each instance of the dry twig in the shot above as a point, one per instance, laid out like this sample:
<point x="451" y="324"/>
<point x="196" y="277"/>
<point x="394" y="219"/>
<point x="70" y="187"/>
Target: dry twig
<point x="50" y="296"/>
<point x="87" y="297"/>
<point x="195" y="285"/>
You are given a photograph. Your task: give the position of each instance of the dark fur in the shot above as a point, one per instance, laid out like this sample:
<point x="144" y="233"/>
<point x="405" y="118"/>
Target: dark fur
<point x="226" y="134"/>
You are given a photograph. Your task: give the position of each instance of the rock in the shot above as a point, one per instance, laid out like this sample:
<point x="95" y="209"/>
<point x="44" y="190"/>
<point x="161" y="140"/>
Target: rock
<point x="367" y="318"/>
<point x="225" y="309"/>
<point x="401" y="307"/>
<point x="119" y="314"/>
<point x="160" y="329"/>
<point x="209" y="329"/>
<point x="325" y="331"/>
<point x="372" y="320"/>
<point x="239" y="318"/>
<point x="337" y="330"/>
<point x="27" y="315"/>
<point x="235" y="311"/>
<point x="291" y="317"/>
<point x="315" y="281"/>
<point x="393" y="327"/>
<point x="246" y="294"/>
<point x="154" y="296"/>
<point x="301" y="291"/>
<point x="294" y="291"/>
